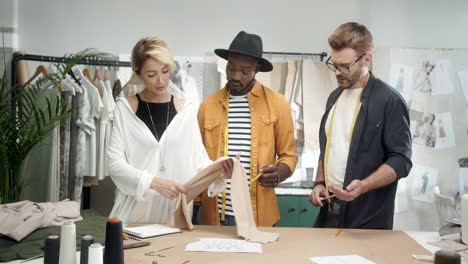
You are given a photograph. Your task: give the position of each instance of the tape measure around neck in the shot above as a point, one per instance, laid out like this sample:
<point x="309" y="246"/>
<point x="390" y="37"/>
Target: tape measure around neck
<point x="329" y="134"/>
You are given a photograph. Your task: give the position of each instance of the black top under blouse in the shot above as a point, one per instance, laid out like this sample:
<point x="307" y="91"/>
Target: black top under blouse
<point x="159" y="112"/>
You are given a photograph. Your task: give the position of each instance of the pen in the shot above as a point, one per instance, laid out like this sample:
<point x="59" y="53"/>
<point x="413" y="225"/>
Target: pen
<point x="326" y="198"/>
<point x="260" y="174"/>
<point x="338" y="232"/>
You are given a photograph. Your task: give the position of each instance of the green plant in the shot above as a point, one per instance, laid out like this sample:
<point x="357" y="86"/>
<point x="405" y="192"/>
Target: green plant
<point x="37" y="113"/>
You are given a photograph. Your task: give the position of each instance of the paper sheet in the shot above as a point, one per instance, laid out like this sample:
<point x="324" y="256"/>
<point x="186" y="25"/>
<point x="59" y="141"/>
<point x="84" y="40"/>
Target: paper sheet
<point x="443" y="83"/>
<point x="424" y="179"/>
<point x="224" y="245"/>
<point x="348" y="259"/>
<point x="463" y="176"/>
<point x="423" y="128"/>
<point x="401" y="78"/>
<point x="444" y="131"/>
<point x="463" y="77"/>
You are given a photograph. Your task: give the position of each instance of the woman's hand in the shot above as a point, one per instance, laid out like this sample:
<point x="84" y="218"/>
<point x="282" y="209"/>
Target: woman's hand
<point x="228" y="165"/>
<point x="167" y="188"/>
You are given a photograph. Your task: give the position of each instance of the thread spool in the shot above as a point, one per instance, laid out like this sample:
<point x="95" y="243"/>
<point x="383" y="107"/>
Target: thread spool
<point x="95" y="254"/>
<point x="447" y="257"/>
<point x="68" y="244"/>
<point x="464" y="218"/>
<point x="52" y="249"/>
<point x="86" y="241"/>
<point x="113" y="252"/>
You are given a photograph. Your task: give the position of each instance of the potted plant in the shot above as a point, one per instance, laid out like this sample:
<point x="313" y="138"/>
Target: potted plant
<point x="36" y="115"/>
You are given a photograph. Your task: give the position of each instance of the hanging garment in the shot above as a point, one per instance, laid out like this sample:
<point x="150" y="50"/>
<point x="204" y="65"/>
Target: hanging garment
<point x="21" y="218"/>
<point x="240" y="198"/>
<point x="90" y="112"/>
<point x="135" y="158"/>
<point x="318" y="83"/>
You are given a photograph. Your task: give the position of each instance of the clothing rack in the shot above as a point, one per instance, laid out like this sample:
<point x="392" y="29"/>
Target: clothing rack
<point x="31" y="57"/>
<point x="322" y="54"/>
<point x="41" y="58"/>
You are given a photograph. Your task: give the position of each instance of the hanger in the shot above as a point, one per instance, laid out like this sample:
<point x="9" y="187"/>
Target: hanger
<point x="106" y="74"/>
<point x="41" y="70"/>
<point x="87" y="74"/>
<point x="97" y="75"/>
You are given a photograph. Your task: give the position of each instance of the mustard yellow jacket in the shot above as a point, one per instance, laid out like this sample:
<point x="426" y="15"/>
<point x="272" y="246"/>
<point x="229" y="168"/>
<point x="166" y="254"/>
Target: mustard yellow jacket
<point x="272" y="142"/>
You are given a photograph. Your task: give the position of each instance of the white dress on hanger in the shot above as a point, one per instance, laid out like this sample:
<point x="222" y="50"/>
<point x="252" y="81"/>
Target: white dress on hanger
<point x="134" y="160"/>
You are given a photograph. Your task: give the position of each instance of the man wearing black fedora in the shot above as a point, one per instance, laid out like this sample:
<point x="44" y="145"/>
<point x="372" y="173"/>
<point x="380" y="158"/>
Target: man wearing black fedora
<point x="248" y="120"/>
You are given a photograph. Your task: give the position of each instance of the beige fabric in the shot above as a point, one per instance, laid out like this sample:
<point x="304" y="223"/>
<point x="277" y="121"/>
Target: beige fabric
<point x="278" y="76"/>
<point x="240" y="198"/>
<point x="318" y="83"/>
<point x="290" y="80"/>
<point x="242" y="207"/>
<point x="22" y="218"/>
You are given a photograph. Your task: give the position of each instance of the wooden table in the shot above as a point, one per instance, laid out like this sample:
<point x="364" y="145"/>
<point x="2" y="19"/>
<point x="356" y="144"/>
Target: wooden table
<point x="295" y="245"/>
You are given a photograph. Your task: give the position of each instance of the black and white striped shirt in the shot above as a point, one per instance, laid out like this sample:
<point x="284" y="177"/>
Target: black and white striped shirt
<point x="238" y="142"/>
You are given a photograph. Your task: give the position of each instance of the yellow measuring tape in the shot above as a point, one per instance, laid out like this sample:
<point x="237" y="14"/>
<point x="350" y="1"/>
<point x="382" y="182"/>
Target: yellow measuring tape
<point x="329" y="134"/>
<point x="226" y="138"/>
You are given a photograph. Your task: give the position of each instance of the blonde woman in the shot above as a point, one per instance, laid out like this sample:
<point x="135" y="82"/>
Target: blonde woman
<point x="156" y="144"/>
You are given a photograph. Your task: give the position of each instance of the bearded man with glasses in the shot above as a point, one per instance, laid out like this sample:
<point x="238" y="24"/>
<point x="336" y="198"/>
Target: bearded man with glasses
<point x="365" y="139"/>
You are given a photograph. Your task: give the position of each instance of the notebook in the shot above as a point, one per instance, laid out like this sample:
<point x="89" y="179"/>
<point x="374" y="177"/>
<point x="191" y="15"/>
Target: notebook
<point x="148" y="231"/>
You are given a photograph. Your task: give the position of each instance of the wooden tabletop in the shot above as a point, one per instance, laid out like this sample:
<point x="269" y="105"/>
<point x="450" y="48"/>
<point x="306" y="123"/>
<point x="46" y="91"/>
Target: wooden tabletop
<point x="295" y="245"/>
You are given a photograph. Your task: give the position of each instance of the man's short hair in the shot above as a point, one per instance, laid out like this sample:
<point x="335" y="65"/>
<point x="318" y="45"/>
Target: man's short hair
<point x="352" y="35"/>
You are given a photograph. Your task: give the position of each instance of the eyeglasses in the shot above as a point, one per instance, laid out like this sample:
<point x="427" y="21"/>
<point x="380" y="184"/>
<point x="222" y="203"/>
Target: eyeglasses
<point x="342" y="68"/>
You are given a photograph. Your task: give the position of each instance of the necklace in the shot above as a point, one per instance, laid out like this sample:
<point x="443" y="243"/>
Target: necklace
<point x="162" y="168"/>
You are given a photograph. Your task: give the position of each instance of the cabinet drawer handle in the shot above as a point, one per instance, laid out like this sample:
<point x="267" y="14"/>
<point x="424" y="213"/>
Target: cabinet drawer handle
<point x="304" y="210"/>
<point x="291" y="210"/>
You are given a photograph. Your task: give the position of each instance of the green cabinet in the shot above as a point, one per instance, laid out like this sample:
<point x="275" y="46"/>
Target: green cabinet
<point x="296" y="211"/>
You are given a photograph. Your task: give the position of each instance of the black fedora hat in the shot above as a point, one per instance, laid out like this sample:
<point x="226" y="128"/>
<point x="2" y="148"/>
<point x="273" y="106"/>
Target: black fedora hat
<point x="247" y="44"/>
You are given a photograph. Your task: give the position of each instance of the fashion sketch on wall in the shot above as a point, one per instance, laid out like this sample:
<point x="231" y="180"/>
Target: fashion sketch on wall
<point x="401" y="78"/>
<point x="423" y="128"/>
<point x="444" y="131"/>
<point x="424" y="179"/>
<point x="425" y="77"/>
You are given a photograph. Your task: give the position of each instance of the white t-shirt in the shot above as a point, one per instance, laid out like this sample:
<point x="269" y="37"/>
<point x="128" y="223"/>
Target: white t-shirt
<point x="340" y="136"/>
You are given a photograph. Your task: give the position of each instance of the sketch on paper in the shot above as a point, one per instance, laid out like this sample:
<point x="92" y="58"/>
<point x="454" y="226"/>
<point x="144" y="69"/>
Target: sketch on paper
<point x="444" y="131"/>
<point x="463" y="162"/>
<point x="463" y="77"/>
<point x="425" y="77"/>
<point x="443" y="83"/>
<point x="423" y="129"/>
<point x="424" y="179"/>
<point x="401" y="78"/>
<point x="463" y="176"/>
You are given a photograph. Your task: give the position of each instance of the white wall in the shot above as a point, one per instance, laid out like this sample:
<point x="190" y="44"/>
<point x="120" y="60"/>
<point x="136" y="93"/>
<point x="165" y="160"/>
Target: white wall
<point x="192" y="28"/>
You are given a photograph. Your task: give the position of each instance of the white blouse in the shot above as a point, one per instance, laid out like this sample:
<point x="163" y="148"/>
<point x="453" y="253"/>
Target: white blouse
<point x="134" y="160"/>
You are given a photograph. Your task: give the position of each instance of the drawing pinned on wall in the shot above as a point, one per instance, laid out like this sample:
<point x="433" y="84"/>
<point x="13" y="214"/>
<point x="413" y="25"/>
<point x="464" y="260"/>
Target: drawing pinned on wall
<point x="463" y="162"/>
<point x="423" y="129"/>
<point x="401" y="78"/>
<point x="425" y="76"/>
<point x="442" y="82"/>
<point x="463" y="77"/>
<point x="435" y="78"/>
<point x="424" y="179"/>
<point x="444" y="131"/>
<point x="463" y="176"/>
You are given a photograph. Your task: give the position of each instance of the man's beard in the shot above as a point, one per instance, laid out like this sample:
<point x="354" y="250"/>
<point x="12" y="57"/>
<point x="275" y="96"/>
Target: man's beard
<point x="346" y="82"/>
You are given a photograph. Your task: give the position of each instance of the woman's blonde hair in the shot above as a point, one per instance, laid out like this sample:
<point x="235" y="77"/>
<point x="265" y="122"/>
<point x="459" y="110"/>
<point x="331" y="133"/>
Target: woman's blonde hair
<point x="151" y="47"/>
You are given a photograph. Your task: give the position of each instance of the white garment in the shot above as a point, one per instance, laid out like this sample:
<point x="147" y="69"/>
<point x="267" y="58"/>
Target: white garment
<point x="340" y="138"/>
<point x="104" y="130"/>
<point x="134" y="160"/>
<point x="90" y="112"/>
